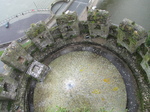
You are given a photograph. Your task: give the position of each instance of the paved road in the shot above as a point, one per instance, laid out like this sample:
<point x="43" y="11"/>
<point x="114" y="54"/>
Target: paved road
<point x="78" y="6"/>
<point x="16" y="29"/>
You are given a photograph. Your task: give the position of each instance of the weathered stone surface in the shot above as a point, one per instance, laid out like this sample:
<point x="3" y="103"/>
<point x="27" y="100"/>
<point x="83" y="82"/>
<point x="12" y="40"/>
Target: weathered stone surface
<point x="130" y="35"/>
<point x="98" y="22"/>
<point x="113" y="30"/>
<point x="84" y="29"/>
<point x="35" y="30"/>
<point x="55" y="32"/>
<point x="68" y="25"/>
<point x="49" y="41"/>
<point x="40" y="36"/>
<point x="4" y="106"/>
<point x="16" y="57"/>
<point x="8" y="87"/>
<point x="38" y="70"/>
<point x="43" y="40"/>
<point x="146" y="64"/>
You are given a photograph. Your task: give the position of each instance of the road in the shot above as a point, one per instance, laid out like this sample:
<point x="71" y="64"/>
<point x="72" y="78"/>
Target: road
<point x="17" y="29"/>
<point x="78" y="6"/>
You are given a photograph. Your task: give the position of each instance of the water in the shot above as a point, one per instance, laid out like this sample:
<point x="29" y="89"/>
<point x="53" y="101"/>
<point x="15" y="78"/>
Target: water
<point x="10" y="8"/>
<point x="80" y="80"/>
<point x="136" y="10"/>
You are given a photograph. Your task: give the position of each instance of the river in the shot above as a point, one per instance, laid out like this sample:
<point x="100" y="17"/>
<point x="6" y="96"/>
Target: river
<point x="136" y="10"/>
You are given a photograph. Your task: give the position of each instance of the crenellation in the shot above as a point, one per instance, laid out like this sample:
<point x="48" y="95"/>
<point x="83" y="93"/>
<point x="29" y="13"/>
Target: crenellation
<point x="98" y="22"/>
<point x="55" y="32"/>
<point x="40" y="36"/>
<point x="35" y="30"/>
<point x="16" y="57"/>
<point x="146" y="64"/>
<point x="43" y="40"/>
<point x="26" y="62"/>
<point x="84" y="28"/>
<point x="131" y="35"/>
<point x="38" y="70"/>
<point x="113" y="30"/>
<point x="68" y="24"/>
<point x="8" y="87"/>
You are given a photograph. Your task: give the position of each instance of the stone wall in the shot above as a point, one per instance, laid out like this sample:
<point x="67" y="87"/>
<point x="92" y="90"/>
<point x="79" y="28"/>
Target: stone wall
<point x="126" y="40"/>
<point x="130" y="35"/>
<point x="16" y="56"/>
<point x="98" y="22"/>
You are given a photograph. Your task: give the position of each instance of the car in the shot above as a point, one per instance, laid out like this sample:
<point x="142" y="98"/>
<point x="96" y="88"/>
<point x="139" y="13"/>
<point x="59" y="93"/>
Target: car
<point x="7" y="25"/>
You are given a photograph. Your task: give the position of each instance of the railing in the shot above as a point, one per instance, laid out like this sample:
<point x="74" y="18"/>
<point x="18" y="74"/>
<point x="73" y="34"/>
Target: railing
<point x="3" y="22"/>
<point x="22" y="14"/>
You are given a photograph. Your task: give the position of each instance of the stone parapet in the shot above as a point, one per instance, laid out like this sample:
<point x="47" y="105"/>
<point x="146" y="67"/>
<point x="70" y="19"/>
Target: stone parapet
<point x="38" y="70"/>
<point x="16" y="56"/>
<point x="130" y="35"/>
<point x="98" y="22"/>
<point x="126" y="40"/>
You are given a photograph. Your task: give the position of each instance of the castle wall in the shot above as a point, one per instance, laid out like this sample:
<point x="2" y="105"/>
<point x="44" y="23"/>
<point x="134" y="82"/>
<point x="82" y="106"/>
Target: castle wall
<point x="124" y="40"/>
<point x="98" y="22"/>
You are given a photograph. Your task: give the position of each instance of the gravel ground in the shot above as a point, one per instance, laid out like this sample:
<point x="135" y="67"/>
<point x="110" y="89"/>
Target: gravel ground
<point x="81" y="79"/>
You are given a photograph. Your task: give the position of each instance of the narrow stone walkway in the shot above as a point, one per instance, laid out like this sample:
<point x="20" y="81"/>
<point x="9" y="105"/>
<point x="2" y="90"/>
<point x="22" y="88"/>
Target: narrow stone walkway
<point x="80" y="80"/>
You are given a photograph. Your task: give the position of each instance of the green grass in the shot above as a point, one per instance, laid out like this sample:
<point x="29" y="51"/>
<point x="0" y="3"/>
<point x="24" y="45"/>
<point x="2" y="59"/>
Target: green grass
<point x="84" y="109"/>
<point x="1" y="52"/>
<point x="27" y="44"/>
<point x="1" y="79"/>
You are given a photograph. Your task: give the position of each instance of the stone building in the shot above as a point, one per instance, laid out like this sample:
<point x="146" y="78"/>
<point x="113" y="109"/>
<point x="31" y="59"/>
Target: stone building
<point x="130" y="35"/>
<point x="98" y="22"/>
<point x="68" y="24"/>
<point x="40" y="36"/>
<point x="16" y="57"/>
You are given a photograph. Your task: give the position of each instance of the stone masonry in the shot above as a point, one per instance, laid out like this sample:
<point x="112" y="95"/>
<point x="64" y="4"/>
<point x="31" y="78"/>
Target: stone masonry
<point x="98" y="22"/>
<point x="8" y="87"/>
<point x="146" y="64"/>
<point x="68" y="25"/>
<point x="38" y="70"/>
<point x="131" y="35"/>
<point x="128" y="36"/>
<point x="40" y="36"/>
<point x="16" y="57"/>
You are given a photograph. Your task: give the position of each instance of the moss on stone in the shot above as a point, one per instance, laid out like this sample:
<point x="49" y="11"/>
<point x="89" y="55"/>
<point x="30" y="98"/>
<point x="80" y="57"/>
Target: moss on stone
<point x="35" y="30"/>
<point x="148" y="41"/>
<point x="1" y="89"/>
<point x="1" y="52"/>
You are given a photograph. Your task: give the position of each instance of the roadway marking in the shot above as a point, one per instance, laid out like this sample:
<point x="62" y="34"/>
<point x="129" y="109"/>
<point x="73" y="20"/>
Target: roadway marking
<point x="81" y="2"/>
<point x="78" y="5"/>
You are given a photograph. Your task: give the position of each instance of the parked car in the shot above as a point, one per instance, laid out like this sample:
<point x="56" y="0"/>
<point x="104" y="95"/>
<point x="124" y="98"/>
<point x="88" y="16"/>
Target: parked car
<point x="7" y="25"/>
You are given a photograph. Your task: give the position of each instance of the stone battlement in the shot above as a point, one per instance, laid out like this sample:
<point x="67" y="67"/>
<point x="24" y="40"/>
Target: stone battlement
<point x="127" y="40"/>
